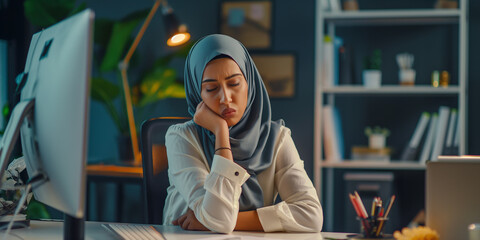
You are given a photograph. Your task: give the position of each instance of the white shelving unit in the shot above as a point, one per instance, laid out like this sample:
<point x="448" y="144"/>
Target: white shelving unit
<point x="393" y="89"/>
<point x="374" y="165"/>
<point x="326" y="23"/>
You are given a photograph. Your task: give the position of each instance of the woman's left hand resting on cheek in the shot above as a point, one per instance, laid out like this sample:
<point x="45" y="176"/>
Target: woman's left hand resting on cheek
<point x="188" y="221"/>
<point x="209" y="120"/>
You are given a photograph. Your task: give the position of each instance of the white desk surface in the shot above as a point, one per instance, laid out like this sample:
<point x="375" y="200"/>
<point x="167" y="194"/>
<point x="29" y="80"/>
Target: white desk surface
<point x="94" y="230"/>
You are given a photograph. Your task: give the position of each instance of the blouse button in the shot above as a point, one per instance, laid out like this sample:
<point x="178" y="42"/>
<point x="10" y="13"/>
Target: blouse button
<point x="237" y="173"/>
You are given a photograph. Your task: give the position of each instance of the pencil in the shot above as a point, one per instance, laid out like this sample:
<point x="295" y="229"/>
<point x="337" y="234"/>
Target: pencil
<point x="361" y="206"/>
<point x="357" y="210"/>
<point x="392" y="199"/>
<point x="374" y="205"/>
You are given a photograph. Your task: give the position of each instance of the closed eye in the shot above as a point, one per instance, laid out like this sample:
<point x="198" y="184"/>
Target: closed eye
<point x="211" y="90"/>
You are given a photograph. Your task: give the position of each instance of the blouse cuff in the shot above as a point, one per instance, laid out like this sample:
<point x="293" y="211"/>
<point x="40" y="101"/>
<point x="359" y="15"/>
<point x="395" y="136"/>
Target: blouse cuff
<point x="229" y="169"/>
<point x="269" y="220"/>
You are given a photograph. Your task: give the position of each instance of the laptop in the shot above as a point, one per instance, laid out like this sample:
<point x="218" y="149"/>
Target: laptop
<point x="453" y="195"/>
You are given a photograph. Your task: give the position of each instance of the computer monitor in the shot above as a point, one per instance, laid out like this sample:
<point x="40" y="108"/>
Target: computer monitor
<point x="53" y="114"/>
<point x="452" y="197"/>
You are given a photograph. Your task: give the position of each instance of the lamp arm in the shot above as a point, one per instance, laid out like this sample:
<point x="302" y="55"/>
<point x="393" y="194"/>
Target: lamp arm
<point x="141" y="32"/>
<point x="123" y="66"/>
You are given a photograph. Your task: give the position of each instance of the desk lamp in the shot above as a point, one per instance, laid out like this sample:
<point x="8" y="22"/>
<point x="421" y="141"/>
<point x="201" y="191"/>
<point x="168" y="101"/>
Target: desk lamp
<point x="177" y="35"/>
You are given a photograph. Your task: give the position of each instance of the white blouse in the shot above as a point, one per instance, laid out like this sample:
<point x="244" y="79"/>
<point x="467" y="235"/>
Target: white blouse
<point x="213" y="194"/>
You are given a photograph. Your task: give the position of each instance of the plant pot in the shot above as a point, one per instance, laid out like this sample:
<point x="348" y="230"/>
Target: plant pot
<point x="350" y="5"/>
<point x="125" y="151"/>
<point x="407" y="77"/>
<point x="372" y="78"/>
<point x="376" y="141"/>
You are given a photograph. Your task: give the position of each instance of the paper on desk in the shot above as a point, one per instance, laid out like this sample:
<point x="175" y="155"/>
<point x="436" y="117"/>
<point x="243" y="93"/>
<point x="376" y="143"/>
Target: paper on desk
<point x="237" y="237"/>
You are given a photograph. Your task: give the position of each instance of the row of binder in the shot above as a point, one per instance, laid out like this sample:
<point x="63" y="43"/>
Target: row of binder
<point x="435" y="134"/>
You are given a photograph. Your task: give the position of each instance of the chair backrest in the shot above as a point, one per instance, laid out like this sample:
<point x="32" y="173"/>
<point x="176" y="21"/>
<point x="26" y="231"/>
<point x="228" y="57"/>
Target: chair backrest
<point x="155" y="165"/>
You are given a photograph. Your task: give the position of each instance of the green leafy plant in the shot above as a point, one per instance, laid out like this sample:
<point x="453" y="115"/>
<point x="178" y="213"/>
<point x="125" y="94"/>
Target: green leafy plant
<point x="377" y="130"/>
<point x="112" y="39"/>
<point x="5" y="112"/>
<point x="374" y="61"/>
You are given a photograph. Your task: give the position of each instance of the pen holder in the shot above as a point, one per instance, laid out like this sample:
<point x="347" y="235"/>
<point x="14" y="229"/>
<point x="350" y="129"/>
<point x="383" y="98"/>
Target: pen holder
<point x="371" y="228"/>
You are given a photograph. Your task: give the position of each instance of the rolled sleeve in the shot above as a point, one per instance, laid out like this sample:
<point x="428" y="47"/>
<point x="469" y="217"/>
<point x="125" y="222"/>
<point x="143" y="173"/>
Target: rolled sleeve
<point x="269" y="219"/>
<point x="229" y="169"/>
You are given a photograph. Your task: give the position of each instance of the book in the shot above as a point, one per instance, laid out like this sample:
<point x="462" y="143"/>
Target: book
<point x="448" y="148"/>
<point x="339" y="132"/>
<point x="337" y="44"/>
<point x="427" y="146"/>
<point x="327" y="64"/>
<point x="332" y="137"/>
<point x="8" y="218"/>
<point x="345" y="67"/>
<point x="360" y="153"/>
<point x="412" y="147"/>
<point x="456" y="139"/>
<point x="19" y="221"/>
<point x="439" y="140"/>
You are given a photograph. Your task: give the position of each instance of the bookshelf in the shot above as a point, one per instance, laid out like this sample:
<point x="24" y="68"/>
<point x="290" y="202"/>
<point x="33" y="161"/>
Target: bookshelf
<point x="423" y="19"/>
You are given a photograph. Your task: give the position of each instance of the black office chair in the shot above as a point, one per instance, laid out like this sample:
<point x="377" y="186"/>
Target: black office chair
<point x="155" y="165"/>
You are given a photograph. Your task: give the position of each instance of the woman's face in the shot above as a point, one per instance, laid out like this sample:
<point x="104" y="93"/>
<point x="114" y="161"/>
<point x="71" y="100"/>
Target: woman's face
<point x="225" y="90"/>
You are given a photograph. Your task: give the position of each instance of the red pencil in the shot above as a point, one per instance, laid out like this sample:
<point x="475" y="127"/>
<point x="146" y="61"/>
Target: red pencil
<point x="352" y="199"/>
<point x="361" y="206"/>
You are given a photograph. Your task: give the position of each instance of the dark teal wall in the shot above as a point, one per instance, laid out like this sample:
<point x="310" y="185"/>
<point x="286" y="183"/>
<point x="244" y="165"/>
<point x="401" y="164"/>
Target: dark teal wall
<point x="474" y="79"/>
<point x="292" y="33"/>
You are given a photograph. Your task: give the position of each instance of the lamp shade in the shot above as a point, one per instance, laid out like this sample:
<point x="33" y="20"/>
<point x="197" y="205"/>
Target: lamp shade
<point x="176" y="32"/>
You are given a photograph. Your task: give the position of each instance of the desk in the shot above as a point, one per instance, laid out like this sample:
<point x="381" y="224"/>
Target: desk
<point x="119" y="175"/>
<point x="93" y="230"/>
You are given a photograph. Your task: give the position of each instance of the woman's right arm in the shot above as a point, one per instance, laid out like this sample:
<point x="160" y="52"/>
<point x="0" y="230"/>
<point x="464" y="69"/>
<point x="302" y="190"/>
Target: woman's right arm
<point x="213" y="196"/>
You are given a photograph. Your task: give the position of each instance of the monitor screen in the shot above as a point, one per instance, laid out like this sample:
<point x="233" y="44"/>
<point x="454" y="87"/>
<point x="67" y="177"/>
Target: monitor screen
<point x="52" y="117"/>
<point x="54" y="134"/>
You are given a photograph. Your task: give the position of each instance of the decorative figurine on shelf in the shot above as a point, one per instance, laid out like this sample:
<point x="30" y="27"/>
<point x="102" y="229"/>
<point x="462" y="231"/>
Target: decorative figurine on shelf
<point x="435" y="78"/>
<point x="446" y="4"/>
<point x="376" y="137"/>
<point x="372" y="75"/>
<point x="444" y="79"/>
<point x="350" y="5"/>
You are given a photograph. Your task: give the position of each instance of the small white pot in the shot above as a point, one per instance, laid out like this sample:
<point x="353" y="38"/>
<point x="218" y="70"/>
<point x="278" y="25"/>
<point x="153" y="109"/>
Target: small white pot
<point x="407" y="77"/>
<point x="376" y="141"/>
<point x="372" y="78"/>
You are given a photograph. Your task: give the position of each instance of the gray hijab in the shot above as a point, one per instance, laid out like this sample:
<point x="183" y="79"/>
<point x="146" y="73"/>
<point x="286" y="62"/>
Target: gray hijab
<point x="252" y="139"/>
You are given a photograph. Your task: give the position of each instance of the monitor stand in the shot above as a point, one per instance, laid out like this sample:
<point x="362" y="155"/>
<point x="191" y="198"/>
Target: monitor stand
<point x="73" y="228"/>
<point x="20" y="111"/>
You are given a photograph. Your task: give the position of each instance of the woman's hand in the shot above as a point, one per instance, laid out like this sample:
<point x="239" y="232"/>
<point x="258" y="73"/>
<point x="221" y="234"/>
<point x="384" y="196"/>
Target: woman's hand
<point x="188" y="221"/>
<point x="208" y="119"/>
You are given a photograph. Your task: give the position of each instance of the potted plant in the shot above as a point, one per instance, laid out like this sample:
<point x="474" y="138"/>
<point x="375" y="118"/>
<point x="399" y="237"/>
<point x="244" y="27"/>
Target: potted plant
<point x="112" y="39"/>
<point x="4" y="116"/>
<point x="377" y="137"/>
<point x="372" y="75"/>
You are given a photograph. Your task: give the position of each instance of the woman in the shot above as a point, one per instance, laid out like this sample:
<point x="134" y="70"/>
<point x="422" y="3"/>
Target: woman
<point x="227" y="166"/>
